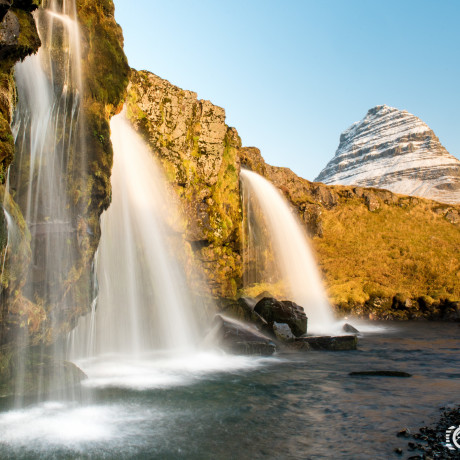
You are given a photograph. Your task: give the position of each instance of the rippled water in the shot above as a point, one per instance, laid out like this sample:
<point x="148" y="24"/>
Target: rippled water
<point x="297" y="406"/>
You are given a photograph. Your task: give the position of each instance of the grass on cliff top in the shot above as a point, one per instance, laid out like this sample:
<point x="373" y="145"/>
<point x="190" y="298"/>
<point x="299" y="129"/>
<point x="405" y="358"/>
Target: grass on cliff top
<point x="411" y="251"/>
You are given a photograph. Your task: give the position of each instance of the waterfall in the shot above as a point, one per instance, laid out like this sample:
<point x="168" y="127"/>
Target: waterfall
<point x="50" y="156"/>
<point x="143" y="303"/>
<point x="268" y="214"/>
<point x="48" y="132"/>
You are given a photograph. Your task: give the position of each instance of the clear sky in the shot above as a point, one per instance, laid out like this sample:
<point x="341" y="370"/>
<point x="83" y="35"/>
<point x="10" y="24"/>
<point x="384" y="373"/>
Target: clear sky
<point x="293" y="74"/>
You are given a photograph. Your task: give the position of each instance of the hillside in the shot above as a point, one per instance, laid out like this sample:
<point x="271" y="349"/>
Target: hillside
<point x="380" y="253"/>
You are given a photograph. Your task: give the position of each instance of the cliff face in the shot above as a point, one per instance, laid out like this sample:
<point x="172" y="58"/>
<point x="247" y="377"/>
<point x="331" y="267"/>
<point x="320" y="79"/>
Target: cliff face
<point x="199" y="153"/>
<point x="87" y="174"/>
<point x="18" y="39"/>
<point x="395" y="150"/>
<point x="374" y="248"/>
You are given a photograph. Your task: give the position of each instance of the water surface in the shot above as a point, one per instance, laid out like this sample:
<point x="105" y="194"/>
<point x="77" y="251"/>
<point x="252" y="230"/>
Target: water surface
<point x="297" y="406"/>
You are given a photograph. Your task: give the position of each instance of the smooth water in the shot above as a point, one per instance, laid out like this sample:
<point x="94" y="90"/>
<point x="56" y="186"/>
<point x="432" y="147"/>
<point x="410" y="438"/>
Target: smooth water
<point x="291" y="251"/>
<point x="143" y="302"/>
<point x="298" y="406"/>
<point x="49" y="156"/>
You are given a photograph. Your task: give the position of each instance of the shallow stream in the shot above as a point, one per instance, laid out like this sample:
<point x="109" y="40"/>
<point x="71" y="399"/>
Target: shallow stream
<point x="211" y="406"/>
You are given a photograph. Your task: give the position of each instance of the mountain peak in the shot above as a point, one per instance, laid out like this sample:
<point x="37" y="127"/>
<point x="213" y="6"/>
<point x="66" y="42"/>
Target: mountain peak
<point x="393" y="149"/>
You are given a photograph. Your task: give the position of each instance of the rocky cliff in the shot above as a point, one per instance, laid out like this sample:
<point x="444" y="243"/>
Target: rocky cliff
<point x="105" y="72"/>
<point x="375" y="248"/>
<point x="394" y="150"/>
<point x="199" y="153"/>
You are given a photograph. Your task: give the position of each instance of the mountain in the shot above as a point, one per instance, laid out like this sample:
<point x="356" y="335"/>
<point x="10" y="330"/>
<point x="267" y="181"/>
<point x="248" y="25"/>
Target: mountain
<point x="395" y="150"/>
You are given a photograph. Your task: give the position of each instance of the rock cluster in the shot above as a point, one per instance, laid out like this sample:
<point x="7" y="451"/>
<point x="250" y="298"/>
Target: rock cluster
<point x="393" y="149"/>
<point x="431" y="440"/>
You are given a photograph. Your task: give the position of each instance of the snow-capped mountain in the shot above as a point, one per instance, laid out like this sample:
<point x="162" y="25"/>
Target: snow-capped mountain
<point x="395" y="150"/>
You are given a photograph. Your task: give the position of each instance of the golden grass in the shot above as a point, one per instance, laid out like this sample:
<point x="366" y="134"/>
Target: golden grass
<point x="412" y="251"/>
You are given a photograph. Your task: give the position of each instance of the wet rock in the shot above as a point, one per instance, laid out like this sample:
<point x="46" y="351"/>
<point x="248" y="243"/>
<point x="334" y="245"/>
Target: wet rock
<point x="4" y="7"/>
<point x="404" y="433"/>
<point x="36" y="374"/>
<point x="248" y="302"/>
<point x="284" y="311"/>
<point x="247" y="305"/>
<point x="283" y="332"/>
<point x="240" y="338"/>
<point x="398" y="450"/>
<point x="349" y="328"/>
<point x="381" y="373"/>
<point x="328" y="343"/>
<point x="435" y="437"/>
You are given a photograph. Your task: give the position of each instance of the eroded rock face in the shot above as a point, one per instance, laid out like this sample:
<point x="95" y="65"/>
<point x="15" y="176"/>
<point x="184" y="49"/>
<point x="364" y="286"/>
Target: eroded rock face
<point x="198" y="152"/>
<point x="393" y="149"/>
<point x="283" y="311"/>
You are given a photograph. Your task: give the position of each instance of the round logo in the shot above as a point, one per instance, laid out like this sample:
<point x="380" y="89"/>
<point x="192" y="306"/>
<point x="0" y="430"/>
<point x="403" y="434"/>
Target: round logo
<point x="453" y="438"/>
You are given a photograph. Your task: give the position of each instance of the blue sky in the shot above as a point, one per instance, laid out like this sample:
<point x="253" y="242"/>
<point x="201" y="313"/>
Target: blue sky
<point x="293" y="74"/>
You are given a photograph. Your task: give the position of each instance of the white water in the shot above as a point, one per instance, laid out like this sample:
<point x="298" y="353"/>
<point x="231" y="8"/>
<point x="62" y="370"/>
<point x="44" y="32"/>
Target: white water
<point x="143" y="302"/>
<point x="47" y="128"/>
<point x="292" y="254"/>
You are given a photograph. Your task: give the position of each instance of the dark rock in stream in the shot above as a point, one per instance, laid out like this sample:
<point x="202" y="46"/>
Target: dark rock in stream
<point x="283" y="332"/>
<point x="349" y="328"/>
<point x="282" y="311"/>
<point x="240" y="338"/>
<point x="381" y="373"/>
<point x="247" y="304"/>
<point x="327" y="343"/>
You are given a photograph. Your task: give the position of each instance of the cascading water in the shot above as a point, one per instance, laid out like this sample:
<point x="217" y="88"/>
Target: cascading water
<point x="292" y="257"/>
<point x="144" y="330"/>
<point x="143" y="303"/>
<point x="50" y="153"/>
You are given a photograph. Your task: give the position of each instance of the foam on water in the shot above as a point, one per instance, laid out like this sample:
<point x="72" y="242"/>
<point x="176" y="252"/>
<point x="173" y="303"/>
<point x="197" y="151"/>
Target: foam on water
<point x="163" y="370"/>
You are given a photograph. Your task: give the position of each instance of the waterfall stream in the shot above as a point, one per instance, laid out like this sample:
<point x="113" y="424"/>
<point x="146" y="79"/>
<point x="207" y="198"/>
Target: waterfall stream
<point x="143" y="302"/>
<point x="288" y="249"/>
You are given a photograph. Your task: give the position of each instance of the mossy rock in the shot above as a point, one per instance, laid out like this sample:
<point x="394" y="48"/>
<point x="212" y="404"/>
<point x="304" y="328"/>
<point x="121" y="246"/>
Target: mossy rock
<point x="30" y="373"/>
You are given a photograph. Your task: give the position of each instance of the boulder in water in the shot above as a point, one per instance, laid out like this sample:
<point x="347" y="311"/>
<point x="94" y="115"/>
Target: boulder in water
<point x="284" y="311"/>
<point x="247" y="304"/>
<point x="328" y="343"/>
<point x="381" y="374"/>
<point x="240" y="338"/>
<point x="31" y="374"/>
<point x="349" y="328"/>
<point x="283" y="332"/>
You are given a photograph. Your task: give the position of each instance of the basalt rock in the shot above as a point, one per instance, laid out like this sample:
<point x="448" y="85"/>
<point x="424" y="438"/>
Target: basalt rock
<point x="241" y="338"/>
<point x="284" y="311"/>
<point x="283" y="332"/>
<point x="349" y="328"/>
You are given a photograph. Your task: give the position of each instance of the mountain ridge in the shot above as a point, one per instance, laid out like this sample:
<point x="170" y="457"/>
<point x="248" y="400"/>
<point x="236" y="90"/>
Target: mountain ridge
<point x="394" y="150"/>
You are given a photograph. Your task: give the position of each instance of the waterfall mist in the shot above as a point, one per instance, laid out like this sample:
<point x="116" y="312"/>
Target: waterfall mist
<point x="279" y="250"/>
<point x="50" y="156"/>
<point x="143" y="302"/>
